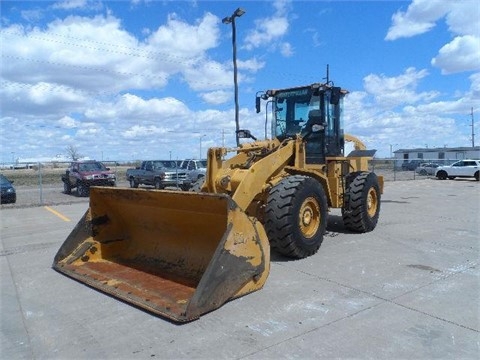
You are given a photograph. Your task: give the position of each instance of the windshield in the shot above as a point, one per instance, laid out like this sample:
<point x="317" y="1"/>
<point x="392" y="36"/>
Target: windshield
<point x="93" y="166"/>
<point x="169" y="164"/>
<point x="292" y="108"/>
<point x="315" y="114"/>
<point x="4" y="180"/>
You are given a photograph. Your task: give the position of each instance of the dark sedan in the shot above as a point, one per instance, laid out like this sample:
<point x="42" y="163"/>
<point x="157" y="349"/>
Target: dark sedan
<point x="8" y="191"/>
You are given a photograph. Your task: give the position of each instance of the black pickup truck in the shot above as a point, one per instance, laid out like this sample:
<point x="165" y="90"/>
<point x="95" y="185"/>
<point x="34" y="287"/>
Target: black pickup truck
<point x="158" y="173"/>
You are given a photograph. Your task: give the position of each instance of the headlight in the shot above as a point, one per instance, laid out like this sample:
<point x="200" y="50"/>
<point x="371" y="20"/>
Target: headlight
<point x="10" y="190"/>
<point x="88" y="177"/>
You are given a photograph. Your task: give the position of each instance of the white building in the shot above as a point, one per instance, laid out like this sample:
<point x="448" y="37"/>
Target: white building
<point x="443" y="155"/>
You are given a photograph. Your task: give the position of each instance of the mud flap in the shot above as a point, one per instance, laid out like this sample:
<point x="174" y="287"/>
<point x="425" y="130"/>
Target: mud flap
<point x="176" y="254"/>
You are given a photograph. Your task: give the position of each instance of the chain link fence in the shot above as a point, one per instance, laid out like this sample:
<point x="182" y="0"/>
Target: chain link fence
<point x="400" y="170"/>
<point x="39" y="184"/>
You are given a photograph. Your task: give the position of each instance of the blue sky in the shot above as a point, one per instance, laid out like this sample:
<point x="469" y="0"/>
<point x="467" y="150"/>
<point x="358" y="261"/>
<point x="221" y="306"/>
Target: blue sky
<point x="124" y="80"/>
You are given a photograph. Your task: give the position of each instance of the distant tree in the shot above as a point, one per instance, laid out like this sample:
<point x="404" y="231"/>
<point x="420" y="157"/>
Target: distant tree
<point x="73" y="153"/>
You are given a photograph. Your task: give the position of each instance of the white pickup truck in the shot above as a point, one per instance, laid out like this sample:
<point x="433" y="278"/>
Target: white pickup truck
<point x="195" y="169"/>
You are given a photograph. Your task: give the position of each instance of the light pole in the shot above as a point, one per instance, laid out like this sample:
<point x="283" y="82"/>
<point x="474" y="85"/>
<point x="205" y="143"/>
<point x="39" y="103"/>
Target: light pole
<point x="391" y="149"/>
<point x="200" y="153"/>
<point x="231" y="20"/>
<point x="473" y="129"/>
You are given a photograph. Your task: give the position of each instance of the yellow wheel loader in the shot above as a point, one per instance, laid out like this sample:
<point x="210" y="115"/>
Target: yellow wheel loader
<point x="183" y="254"/>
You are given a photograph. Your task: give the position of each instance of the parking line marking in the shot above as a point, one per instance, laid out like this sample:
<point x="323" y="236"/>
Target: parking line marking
<point x="64" y="218"/>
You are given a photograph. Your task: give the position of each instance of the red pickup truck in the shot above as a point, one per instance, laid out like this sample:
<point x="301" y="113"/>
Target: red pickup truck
<point x="83" y="174"/>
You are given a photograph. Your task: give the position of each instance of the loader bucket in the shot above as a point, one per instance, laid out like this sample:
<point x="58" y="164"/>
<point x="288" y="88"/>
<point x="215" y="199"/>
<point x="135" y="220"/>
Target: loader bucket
<point x="175" y="254"/>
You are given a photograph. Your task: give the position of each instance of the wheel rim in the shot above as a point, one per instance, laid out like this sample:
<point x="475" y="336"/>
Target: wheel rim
<point x="309" y="217"/>
<point x="372" y="202"/>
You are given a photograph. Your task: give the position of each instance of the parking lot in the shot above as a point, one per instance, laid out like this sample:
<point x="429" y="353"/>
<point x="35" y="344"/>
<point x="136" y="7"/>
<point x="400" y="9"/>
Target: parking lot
<point x="409" y="289"/>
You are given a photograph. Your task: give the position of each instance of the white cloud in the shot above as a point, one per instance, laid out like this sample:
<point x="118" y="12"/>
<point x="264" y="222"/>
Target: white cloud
<point x="79" y="52"/>
<point x="42" y="99"/>
<point x="208" y="75"/>
<point x="131" y="107"/>
<point x="392" y="112"/>
<point x="67" y="122"/>
<point x="419" y="18"/>
<point x="185" y="41"/>
<point x="316" y="39"/>
<point x="266" y="31"/>
<point x="142" y="132"/>
<point x="394" y="91"/>
<point x="69" y="4"/>
<point x="463" y="52"/>
<point x="217" y="97"/>
<point x="286" y="49"/>
<point x="271" y="29"/>
<point x="475" y="87"/>
<point x="252" y="65"/>
<point x="32" y="15"/>
<point x="462" y="17"/>
<point x="65" y="77"/>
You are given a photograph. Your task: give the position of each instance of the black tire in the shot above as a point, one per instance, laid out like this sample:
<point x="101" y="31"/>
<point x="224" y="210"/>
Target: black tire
<point x="158" y="184"/>
<point x="67" y="188"/>
<point x="133" y="183"/>
<point x="82" y="189"/>
<point x="362" y="202"/>
<point x="296" y="216"/>
<point x="476" y="176"/>
<point x="442" y="175"/>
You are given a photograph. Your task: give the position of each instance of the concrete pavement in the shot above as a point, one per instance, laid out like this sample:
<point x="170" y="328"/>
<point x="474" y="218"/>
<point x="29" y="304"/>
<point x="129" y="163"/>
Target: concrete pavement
<point x="409" y="289"/>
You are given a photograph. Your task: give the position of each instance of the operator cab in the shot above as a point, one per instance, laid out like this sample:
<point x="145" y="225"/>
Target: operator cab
<point x="313" y="112"/>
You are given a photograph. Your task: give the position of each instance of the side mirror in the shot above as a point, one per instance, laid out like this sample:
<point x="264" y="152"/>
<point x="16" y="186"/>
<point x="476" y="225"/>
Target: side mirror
<point x="245" y="134"/>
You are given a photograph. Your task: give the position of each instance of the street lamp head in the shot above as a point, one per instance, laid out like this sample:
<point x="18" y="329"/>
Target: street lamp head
<point x="239" y="12"/>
